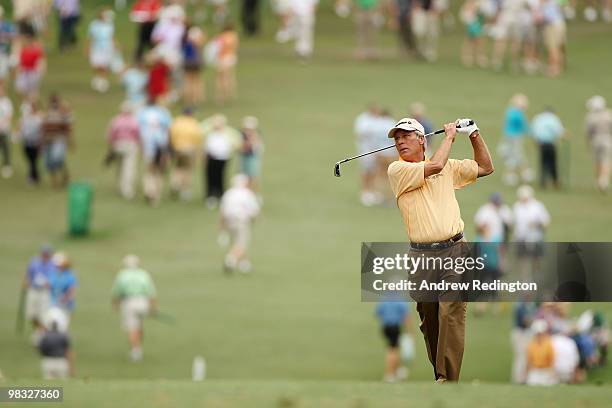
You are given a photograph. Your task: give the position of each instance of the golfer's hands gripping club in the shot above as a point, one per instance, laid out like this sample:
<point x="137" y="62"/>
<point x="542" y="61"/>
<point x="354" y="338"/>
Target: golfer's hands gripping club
<point x="450" y="130"/>
<point x="467" y="126"/>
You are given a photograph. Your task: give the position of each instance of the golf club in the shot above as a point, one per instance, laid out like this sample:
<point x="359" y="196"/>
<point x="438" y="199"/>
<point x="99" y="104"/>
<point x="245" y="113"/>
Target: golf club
<point x="337" y="166"/>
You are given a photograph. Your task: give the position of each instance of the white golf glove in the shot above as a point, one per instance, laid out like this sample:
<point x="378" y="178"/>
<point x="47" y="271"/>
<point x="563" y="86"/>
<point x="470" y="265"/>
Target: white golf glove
<point x="465" y="127"/>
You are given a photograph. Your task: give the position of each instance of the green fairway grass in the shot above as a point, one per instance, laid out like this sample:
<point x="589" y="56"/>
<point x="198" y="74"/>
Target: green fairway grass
<point x="336" y="394"/>
<point x="298" y="316"/>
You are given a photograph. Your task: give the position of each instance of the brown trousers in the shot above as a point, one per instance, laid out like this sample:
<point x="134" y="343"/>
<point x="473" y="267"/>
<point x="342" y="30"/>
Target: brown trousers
<point x="442" y="315"/>
<point x="443" y="327"/>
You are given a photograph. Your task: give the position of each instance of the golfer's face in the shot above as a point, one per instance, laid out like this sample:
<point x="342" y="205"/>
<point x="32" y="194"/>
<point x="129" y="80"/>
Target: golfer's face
<point x="408" y="144"/>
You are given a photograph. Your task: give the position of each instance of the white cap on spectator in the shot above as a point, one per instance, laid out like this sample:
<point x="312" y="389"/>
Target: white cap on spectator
<point x="539" y="326"/>
<point x="131" y="261"/>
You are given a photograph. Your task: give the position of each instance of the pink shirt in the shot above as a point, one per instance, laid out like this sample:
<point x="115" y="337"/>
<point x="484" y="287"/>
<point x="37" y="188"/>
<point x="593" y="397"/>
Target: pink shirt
<point x="124" y="127"/>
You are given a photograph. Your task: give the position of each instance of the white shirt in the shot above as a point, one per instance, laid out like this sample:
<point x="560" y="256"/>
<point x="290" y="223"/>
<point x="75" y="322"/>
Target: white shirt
<point x="383" y="125"/>
<point x="366" y="126"/>
<point x="566" y="354"/>
<point x="239" y="204"/>
<point x="492" y="219"/>
<point x="219" y="145"/>
<point x="530" y="219"/>
<point x="6" y="114"/>
<point x="304" y="7"/>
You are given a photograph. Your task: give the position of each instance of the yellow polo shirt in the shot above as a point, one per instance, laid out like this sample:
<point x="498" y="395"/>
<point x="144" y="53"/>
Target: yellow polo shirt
<point x="186" y="134"/>
<point x="428" y="205"/>
<point x="541" y="354"/>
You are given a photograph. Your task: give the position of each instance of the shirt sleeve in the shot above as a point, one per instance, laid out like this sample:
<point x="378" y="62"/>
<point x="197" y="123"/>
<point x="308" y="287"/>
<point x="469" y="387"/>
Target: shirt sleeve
<point x="465" y="172"/>
<point x="406" y="176"/>
<point x="544" y="215"/>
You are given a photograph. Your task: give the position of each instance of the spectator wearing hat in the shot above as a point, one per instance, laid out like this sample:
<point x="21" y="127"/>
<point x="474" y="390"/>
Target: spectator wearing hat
<point x="134" y="295"/>
<point x="547" y="129"/>
<point x="515" y="128"/>
<point x="124" y="141"/>
<point x="55" y="348"/>
<point x="598" y="123"/>
<point x="220" y="144"/>
<point x="540" y="356"/>
<point x="63" y="286"/>
<point x="37" y="283"/>
<point x="530" y="222"/>
<point x="239" y="207"/>
<point x="251" y="152"/>
<point x="186" y="141"/>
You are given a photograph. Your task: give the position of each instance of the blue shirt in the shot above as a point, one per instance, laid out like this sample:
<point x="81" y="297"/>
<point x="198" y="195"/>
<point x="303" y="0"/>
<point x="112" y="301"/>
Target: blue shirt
<point x="551" y="10"/>
<point x="61" y="283"/>
<point x="101" y="34"/>
<point x="135" y="82"/>
<point x="39" y="272"/>
<point x="523" y="313"/>
<point x="392" y="313"/>
<point x="515" y="123"/>
<point x="546" y="127"/>
<point x="154" y="123"/>
<point x="7" y="34"/>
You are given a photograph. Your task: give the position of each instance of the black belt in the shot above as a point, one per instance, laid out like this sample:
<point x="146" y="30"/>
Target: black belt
<point x="438" y="245"/>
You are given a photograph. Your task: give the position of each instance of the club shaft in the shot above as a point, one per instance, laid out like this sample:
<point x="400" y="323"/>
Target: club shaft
<point x="385" y="148"/>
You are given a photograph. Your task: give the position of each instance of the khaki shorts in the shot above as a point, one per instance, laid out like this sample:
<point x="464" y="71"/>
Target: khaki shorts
<point x="38" y="302"/>
<point x="554" y="35"/>
<point x="133" y="311"/>
<point x="54" y="368"/>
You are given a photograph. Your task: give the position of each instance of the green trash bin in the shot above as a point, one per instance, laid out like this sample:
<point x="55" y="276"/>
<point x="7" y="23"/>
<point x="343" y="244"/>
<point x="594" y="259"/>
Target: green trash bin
<point x="80" y="196"/>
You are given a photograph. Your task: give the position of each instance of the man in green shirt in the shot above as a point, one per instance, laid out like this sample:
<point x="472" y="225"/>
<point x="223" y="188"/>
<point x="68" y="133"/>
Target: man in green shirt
<point x="134" y="295"/>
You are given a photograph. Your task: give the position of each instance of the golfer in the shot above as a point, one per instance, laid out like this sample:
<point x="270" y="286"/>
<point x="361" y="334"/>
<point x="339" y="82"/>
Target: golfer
<point x="425" y="193"/>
